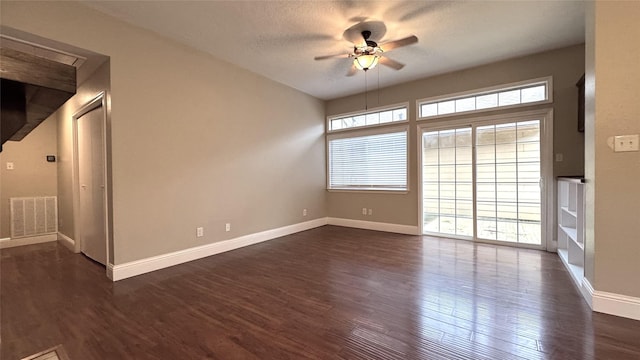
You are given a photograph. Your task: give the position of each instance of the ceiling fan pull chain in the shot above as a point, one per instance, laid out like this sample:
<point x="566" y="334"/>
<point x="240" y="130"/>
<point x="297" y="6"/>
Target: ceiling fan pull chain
<point x="378" y="90"/>
<point x="366" y="105"/>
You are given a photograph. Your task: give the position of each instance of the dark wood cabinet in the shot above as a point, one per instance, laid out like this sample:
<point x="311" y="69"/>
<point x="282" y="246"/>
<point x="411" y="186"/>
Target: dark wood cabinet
<point x="580" y="85"/>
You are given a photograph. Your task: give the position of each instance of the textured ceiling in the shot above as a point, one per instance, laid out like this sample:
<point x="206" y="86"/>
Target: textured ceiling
<point x="279" y="39"/>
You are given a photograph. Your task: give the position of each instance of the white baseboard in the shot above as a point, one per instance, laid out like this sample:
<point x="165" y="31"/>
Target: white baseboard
<point x="8" y="242"/>
<point x="68" y="242"/>
<point x="587" y="291"/>
<point x="605" y="302"/>
<point x="371" y="225"/>
<point x="616" y="304"/>
<point x="110" y="272"/>
<point x="138" y="267"/>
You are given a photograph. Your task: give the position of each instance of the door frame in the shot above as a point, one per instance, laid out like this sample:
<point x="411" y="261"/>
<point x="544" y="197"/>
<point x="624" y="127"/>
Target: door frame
<point x="98" y="101"/>
<point x="546" y="168"/>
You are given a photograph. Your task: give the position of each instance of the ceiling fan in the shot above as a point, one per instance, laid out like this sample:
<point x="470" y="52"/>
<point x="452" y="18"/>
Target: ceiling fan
<point x="366" y="52"/>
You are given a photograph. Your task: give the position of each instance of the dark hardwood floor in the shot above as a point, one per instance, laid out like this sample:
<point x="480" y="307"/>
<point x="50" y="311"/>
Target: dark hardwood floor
<point x="327" y="293"/>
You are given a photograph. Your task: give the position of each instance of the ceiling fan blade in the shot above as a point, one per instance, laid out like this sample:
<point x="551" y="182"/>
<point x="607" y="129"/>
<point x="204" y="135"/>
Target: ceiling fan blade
<point x="335" y="56"/>
<point x="391" y="63"/>
<point x="399" y="43"/>
<point x="352" y="71"/>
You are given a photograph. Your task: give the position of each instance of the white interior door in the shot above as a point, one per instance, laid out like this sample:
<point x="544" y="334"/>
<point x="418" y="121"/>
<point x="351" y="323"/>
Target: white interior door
<point x="91" y="179"/>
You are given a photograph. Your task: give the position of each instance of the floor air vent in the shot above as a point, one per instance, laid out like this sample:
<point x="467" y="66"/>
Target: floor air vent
<point x="31" y="216"/>
<point x="55" y="353"/>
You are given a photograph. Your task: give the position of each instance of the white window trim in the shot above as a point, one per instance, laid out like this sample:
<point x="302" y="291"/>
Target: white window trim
<point x="397" y="126"/>
<point x="368" y="111"/>
<point x="548" y="80"/>
<point x="369" y="130"/>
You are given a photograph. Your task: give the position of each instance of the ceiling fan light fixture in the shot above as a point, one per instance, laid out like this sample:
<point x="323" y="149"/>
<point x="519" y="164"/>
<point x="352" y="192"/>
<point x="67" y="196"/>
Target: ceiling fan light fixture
<point x="366" y="62"/>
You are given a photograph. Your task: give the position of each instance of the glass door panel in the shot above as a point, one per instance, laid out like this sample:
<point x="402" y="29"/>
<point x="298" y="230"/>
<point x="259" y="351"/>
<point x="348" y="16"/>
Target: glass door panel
<point x="447" y="176"/>
<point x="508" y="200"/>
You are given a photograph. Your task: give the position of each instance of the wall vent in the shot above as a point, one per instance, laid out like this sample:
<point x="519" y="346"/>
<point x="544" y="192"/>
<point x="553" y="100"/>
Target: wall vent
<point x="31" y="216"/>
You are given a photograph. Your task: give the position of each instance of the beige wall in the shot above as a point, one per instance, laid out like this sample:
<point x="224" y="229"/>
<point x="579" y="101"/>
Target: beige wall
<point x="32" y="174"/>
<point x="195" y="141"/>
<point x="613" y="226"/>
<point x="565" y="65"/>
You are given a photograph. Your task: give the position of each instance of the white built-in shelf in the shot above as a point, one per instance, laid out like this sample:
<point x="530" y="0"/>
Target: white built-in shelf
<point x="577" y="272"/>
<point x="571" y="234"/>
<point x="571" y="226"/>
<point x="572" y="213"/>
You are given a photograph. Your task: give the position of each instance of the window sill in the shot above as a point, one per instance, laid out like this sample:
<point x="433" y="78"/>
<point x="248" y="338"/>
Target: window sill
<point x="370" y="191"/>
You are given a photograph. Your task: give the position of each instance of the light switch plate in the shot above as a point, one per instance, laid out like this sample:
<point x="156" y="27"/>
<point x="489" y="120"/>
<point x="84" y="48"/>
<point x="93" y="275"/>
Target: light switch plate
<point x="9" y="166"/>
<point x="625" y="143"/>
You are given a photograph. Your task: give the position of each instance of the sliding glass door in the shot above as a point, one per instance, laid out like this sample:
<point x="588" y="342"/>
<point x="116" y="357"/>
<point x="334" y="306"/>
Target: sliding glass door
<point x="482" y="181"/>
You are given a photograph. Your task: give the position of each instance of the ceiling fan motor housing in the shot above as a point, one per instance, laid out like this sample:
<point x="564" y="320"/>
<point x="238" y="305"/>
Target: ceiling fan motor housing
<point x="366" y="34"/>
<point x="371" y="47"/>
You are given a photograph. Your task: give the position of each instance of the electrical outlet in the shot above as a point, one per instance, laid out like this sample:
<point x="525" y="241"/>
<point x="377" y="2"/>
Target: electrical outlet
<point x="364" y="211"/>
<point x="370" y="212"/>
<point x="199" y="232"/>
<point x="559" y="157"/>
<point x="625" y="143"/>
<point x="227" y="227"/>
<point x="304" y="212"/>
<point x="9" y="166"/>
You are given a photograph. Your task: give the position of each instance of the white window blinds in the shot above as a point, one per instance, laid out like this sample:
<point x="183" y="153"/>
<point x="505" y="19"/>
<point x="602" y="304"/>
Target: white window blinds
<point x="368" y="162"/>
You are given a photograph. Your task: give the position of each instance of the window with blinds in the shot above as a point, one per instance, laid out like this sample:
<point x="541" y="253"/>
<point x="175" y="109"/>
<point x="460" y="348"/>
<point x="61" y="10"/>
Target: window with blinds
<point x="368" y="160"/>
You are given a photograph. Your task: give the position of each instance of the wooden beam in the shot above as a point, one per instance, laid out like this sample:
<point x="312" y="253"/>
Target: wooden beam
<point x="44" y="86"/>
<point x="34" y="70"/>
<point x="13" y="104"/>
